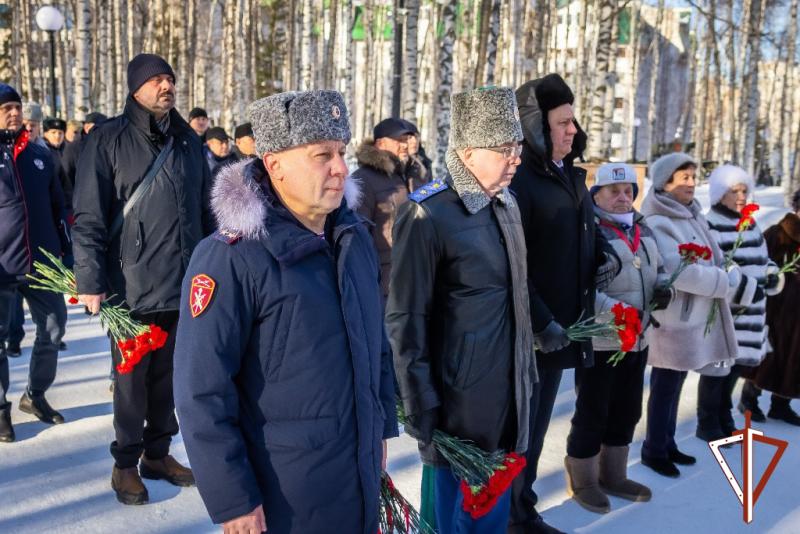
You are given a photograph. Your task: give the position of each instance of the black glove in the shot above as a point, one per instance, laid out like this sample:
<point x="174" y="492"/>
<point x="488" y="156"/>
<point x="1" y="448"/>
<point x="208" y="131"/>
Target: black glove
<point x="773" y="279"/>
<point x="551" y="339"/>
<point x="422" y="425"/>
<point x="662" y="296"/>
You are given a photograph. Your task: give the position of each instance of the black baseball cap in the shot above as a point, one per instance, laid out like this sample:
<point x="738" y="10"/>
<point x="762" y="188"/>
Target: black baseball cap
<point x="218" y="133"/>
<point x="392" y="127"/>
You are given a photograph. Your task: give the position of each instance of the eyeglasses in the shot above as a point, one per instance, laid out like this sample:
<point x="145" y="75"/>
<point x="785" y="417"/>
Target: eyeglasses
<point x="508" y="152"/>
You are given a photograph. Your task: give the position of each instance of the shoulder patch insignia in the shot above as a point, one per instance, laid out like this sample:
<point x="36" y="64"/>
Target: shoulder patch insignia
<point x="428" y="190"/>
<point x="202" y="291"/>
<point x="227" y="236"/>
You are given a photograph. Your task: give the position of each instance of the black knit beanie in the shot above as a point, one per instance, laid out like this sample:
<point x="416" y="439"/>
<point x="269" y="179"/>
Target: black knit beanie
<point x="145" y="66"/>
<point x="197" y="112"/>
<point x="8" y="94"/>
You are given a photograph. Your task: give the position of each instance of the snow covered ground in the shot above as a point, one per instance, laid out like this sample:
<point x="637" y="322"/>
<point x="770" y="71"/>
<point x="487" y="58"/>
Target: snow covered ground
<point x="57" y="478"/>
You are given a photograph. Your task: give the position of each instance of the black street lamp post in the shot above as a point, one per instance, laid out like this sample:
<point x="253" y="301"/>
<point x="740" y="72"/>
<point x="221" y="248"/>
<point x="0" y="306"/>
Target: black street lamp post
<point x="50" y="19"/>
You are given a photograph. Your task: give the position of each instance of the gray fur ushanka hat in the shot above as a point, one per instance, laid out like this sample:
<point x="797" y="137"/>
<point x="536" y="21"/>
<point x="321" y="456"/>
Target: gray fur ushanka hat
<point x="483" y="118"/>
<point x="296" y="118"/>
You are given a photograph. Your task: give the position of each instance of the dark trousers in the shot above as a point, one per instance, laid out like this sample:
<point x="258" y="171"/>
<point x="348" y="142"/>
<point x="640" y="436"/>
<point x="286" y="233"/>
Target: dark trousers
<point x="144" y="409"/>
<point x="714" y="403"/>
<point x="49" y="314"/>
<point x="452" y="519"/>
<point x="662" y="412"/>
<point x="16" y="328"/>
<point x="523" y="498"/>
<point x="608" y="404"/>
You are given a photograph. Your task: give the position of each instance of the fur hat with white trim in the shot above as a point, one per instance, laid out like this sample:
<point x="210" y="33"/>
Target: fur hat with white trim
<point x="724" y="178"/>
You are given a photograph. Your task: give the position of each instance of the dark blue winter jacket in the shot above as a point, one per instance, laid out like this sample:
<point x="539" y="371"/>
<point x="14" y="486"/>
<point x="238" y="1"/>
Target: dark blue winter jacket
<point x="283" y="374"/>
<point x="32" y="211"/>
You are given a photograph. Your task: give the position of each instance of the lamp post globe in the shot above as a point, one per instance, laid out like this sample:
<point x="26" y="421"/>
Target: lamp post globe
<point x="50" y="19"/>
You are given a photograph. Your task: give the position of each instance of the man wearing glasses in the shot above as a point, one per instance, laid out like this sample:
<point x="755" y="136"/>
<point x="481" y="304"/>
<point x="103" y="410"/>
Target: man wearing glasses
<point x="457" y="313"/>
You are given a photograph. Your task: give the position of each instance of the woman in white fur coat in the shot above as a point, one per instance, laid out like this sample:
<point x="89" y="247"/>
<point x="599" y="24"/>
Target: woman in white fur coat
<point x="730" y="187"/>
<point x="679" y="344"/>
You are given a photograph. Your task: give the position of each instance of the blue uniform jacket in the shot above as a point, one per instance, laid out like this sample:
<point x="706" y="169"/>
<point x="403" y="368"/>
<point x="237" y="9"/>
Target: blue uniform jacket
<point x="283" y="377"/>
<point x="32" y="210"/>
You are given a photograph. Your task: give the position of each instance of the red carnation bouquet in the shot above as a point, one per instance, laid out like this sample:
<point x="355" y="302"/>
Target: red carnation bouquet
<point x="629" y="328"/>
<point x="690" y="253"/>
<point x="133" y="339"/>
<point x="744" y="223"/>
<point x="485" y="476"/>
<point x="396" y="513"/>
<point x="480" y="499"/>
<point x="624" y="325"/>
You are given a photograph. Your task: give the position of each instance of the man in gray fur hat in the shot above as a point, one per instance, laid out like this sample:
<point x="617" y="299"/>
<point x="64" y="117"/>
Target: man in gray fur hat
<point x="283" y="377"/>
<point x="458" y="312"/>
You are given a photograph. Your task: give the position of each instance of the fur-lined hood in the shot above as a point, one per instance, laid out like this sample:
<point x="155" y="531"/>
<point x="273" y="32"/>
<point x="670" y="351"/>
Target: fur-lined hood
<point x="240" y="202"/>
<point x="536" y="130"/>
<point x="368" y="155"/>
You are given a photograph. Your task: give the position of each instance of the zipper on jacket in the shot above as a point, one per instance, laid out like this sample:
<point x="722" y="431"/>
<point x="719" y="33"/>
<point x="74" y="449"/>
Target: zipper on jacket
<point x="26" y="230"/>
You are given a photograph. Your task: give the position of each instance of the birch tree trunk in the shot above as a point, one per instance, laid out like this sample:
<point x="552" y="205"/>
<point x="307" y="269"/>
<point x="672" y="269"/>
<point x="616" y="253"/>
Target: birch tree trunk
<point x="702" y="96"/>
<point x="350" y="53"/>
<point x="751" y="108"/>
<point x="25" y="52"/>
<point x="581" y="66"/>
<point x="83" y="35"/>
<point x="635" y="44"/>
<point x="655" y="66"/>
<point x="445" y="62"/>
<point x="120" y="61"/>
<point x="411" y="81"/>
<point x="305" y="60"/>
<point x="605" y="15"/>
<point x="787" y="103"/>
<point x="228" y="60"/>
<point x="491" y="42"/>
<point x="330" y="59"/>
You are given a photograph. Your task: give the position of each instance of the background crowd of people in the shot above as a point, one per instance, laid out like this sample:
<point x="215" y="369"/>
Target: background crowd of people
<point x="332" y="292"/>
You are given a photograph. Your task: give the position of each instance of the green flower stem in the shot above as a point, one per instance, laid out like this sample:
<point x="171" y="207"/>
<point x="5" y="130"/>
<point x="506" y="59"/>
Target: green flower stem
<point x="58" y="279"/>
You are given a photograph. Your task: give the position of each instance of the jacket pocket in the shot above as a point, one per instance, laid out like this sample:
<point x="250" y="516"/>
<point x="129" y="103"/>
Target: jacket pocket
<point x="686" y="307"/>
<point x="465" y="358"/>
<point x="132" y="243"/>
<point x="308" y="433"/>
<point x="281" y="326"/>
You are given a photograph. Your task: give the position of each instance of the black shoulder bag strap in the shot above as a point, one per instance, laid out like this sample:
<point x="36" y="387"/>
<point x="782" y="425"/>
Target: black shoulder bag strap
<point x="137" y="195"/>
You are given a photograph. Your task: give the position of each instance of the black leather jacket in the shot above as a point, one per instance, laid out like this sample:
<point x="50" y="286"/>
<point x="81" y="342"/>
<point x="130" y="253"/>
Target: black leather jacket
<point x="450" y="318"/>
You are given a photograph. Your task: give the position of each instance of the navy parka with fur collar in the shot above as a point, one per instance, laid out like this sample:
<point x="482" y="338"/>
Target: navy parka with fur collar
<point x="283" y="381"/>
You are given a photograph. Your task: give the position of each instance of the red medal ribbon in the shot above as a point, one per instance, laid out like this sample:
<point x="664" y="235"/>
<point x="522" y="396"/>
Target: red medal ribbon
<point x="637" y="234"/>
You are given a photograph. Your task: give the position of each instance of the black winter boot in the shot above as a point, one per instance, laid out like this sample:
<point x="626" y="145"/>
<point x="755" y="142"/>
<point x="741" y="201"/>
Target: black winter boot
<point x="749" y="401"/>
<point x="782" y="410"/>
<point x="6" y="430"/>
